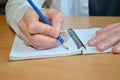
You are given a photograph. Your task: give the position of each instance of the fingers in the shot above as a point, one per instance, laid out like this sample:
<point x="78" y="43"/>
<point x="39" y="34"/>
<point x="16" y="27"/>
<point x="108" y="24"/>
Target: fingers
<point x="36" y="33"/>
<point x="56" y="17"/>
<point x="104" y="33"/>
<point x="30" y="16"/>
<point x="57" y="21"/>
<point x="108" y="28"/>
<point x="37" y="41"/>
<point x="23" y="33"/>
<point x="108" y="42"/>
<point x="41" y="28"/>
<point x="41" y="42"/>
<point x="45" y="42"/>
<point x="106" y="38"/>
<point x="116" y="48"/>
<point x="63" y="35"/>
<point x="36" y="27"/>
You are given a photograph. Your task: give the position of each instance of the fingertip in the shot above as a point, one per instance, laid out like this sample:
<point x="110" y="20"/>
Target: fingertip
<point x="92" y="42"/>
<point x="63" y="34"/>
<point x="116" y="50"/>
<point x="54" y="33"/>
<point x="101" y="46"/>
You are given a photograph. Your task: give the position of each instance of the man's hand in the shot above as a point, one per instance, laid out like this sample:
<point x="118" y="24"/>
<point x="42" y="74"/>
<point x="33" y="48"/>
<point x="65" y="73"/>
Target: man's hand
<point x="106" y="38"/>
<point x="37" y="34"/>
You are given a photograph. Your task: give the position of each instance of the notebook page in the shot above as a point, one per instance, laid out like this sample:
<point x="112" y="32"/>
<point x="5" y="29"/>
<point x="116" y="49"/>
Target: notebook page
<point x="85" y="35"/>
<point x="20" y="51"/>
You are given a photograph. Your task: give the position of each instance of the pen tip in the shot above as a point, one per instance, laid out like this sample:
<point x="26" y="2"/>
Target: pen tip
<point x="65" y="46"/>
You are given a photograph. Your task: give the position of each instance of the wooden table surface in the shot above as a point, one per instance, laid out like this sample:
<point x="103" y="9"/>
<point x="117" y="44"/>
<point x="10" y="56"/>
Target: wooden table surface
<point x="82" y="67"/>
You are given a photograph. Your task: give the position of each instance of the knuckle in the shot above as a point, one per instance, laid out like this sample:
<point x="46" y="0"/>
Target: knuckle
<point x="31" y="28"/>
<point x="25" y="14"/>
<point x="28" y="12"/>
<point x="45" y="30"/>
<point x="54" y="10"/>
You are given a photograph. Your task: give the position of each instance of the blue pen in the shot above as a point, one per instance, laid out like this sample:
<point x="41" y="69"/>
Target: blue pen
<point x="44" y="19"/>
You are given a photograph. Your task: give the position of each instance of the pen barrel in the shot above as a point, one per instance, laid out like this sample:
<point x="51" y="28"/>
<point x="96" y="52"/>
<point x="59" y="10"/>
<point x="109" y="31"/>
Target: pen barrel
<point x="44" y="19"/>
<point x="60" y="39"/>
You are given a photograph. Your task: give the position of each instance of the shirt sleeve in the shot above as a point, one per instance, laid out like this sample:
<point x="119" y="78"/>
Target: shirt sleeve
<point x="15" y="10"/>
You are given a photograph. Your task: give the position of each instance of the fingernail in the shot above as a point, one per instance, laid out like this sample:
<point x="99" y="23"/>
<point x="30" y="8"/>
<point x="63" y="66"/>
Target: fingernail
<point x="53" y="34"/>
<point x="63" y="34"/>
<point x="117" y="50"/>
<point x="58" y="26"/>
<point x="101" y="46"/>
<point x="92" y="42"/>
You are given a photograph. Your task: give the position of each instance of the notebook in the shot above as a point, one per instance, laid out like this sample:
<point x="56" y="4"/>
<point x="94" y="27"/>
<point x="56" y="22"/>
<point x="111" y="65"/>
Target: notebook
<point x="20" y="51"/>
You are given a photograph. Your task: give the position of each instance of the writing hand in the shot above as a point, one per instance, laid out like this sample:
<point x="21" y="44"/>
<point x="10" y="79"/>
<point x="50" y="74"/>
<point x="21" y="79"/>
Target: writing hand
<point x="37" y="34"/>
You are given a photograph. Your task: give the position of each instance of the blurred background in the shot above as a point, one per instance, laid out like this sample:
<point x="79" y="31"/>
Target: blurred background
<point x="2" y="6"/>
<point x="3" y="3"/>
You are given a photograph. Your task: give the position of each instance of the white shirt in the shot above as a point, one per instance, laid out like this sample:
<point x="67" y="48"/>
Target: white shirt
<point x="71" y="7"/>
<point x="15" y="9"/>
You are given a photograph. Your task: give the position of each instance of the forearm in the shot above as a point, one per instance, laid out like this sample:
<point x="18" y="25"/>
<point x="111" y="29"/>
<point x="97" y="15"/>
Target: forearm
<point x="15" y="10"/>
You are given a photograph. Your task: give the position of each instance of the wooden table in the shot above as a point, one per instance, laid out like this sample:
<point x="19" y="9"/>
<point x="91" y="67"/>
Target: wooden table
<point x="82" y="67"/>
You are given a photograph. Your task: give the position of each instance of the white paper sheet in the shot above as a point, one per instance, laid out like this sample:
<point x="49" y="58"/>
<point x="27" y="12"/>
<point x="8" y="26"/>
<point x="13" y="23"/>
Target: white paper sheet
<point x="20" y="51"/>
